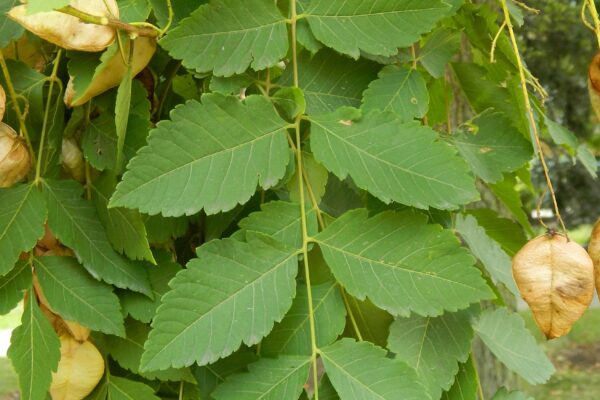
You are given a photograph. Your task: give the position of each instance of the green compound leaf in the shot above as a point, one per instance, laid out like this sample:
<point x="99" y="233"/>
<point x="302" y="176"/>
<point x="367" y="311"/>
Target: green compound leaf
<point x="141" y="307"/>
<point x="433" y="347"/>
<point x="377" y="27"/>
<point x="394" y="161"/>
<point x="13" y="286"/>
<point x="232" y="293"/>
<point x="487" y="250"/>
<point x="228" y="36"/>
<point x="401" y="263"/>
<point x="22" y="217"/>
<point x="401" y="90"/>
<point x="9" y="29"/>
<point x="75" y="223"/>
<point x="292" y="335"/>
<point x="211" y="155"/>
<point x="267" y="379"/>
<point x="36" y="6"/>
<point x="76" y="296"/>
<point x="492" y="146"/>
<point x="465" y="384"/>
<point x="504" y="333"/>
<point x="361" y="370"/>
<point x="125" y="228"/>
<point x="34" y="352"/>
<point x="128" y="353"/>
<point x="282" y="221"/>
<point x="441" y="45"/>
<point x="330" y="81"/>
<point x="125" y="389"/>
<point x="504" y="394"/>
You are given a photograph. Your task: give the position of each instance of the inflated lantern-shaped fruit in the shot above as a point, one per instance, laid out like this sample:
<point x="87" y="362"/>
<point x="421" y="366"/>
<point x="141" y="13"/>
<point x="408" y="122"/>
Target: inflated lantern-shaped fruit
<point x="72" y="159"/>
<point x="556" y="278"/>
<point x="111" y="73"/>
<point x="70" y="32"/>
<point x="15" y="161"/>
<point x="2" y="102"/>
<point x="594" y="84"/>
<point x="594" y="252"/>
<point x="80" y="368"/>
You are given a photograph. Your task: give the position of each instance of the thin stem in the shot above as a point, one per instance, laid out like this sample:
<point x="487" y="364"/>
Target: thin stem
<point x="351" y="314"/>
<point x="305" y="237"/>
<point x="109" y="21"/>
<point x="495" y="42"/>
<point x="530" y="115"/>
<point x="15" y="103"/>
<point x="321" y="222"/>
<point x="170" y="18"/>
<point x="88" y="181"/>
<point x="479" y="387"/>
<point x="181" y="390"/>
<point x="594" y="12"/>
<point x="413" y="53"/>
<point x="38" y="168"/>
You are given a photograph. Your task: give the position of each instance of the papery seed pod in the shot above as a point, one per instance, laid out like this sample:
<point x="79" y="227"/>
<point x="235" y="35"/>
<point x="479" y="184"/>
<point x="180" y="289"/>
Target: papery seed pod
<point x="594" y="84"/>
<point x="71" y="158"/>
<point x="594" y="252"/>
<point x="80" y="368"/>
<point x="29" y="50"/>
<point x="556" y="278"/>
<point x="2" y="102"/>
<point x="70" y="32"/>
<point x="113" y="71"/>
<point x="14" y="157"/>
<point x="77" y="331"/>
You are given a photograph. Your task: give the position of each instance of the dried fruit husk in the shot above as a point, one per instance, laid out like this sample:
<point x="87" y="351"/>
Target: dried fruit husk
<point x="594" y="252"/>
<point x="2" y="102"/>
<point x="30" y="50"/>
<point x="60" y="325"/>
<point x="113" y="71"/>
<point x="594" y="84"/>
<point x="48" y="241"/>
<point x="556" y="278"/>
<point x="80" y="368"/>
<point x="72" y="159"/>
<point x="14" y="157"/>
<point x="70" y="32"/>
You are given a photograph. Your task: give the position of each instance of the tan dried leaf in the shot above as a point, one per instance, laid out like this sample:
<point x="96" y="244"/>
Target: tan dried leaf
<point x="113" y="71"/>
<point x="72" y="159"/>
<point x="556" y="278"/>
<point x="14" y="157"/>
<point x="80" y="369"/>
<point x="70" y="32"/>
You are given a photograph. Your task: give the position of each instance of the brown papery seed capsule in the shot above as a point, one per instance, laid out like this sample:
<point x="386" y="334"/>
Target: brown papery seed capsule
<point x="80" y="369"/>
<point x="556" y="278"/>
<point x="14" y="157"/>
<point x="2" y="102"/>
<point x="594" y="84"/>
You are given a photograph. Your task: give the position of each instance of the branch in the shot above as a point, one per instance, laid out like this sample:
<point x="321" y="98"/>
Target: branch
<point x="108" y="21"/>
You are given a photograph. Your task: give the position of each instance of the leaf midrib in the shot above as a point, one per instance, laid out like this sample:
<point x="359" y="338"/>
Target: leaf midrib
<point x="165" y="346"/>
<point x="388" y="163"/>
